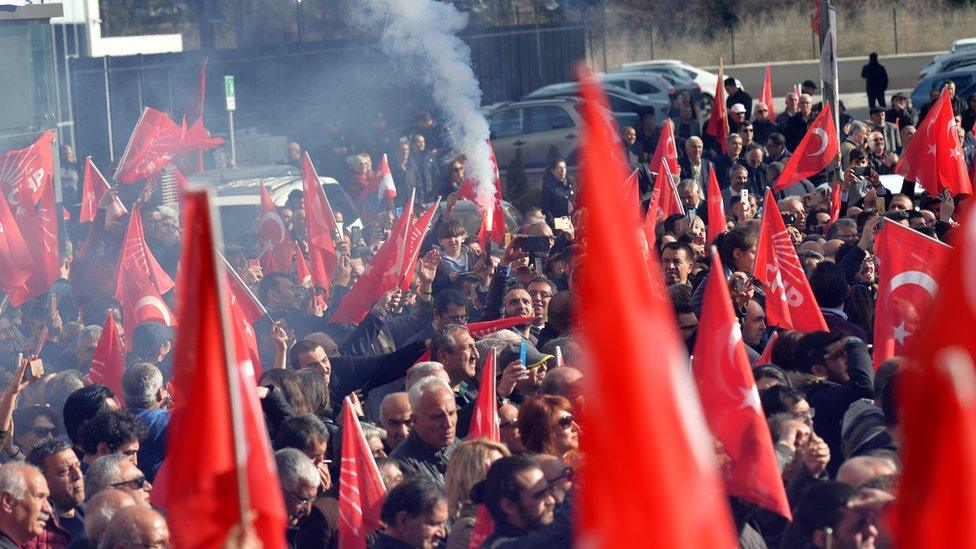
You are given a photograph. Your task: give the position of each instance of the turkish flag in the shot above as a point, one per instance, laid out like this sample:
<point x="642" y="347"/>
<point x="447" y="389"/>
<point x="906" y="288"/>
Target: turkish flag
<point x="479" y="330"/>
<point x="718" y="121"/>
<point x="816" y="151"/>
<point x="92" y="190"/>
<point x="39" y="229"/>
<point x="241" y="296"/>
<point x="731" y="402"/>
<point x="277" y="246"/>
<point x="381" y="180"/>
<point x="789" y="299"/>
<point x="414" y="241"/>
<point x="141" y="302"/>
<point x="766" y="94"/>
<point x="677" y="499"/>
<point x="716" y="209"/>
<point x="382" y="275"/>
<point x="666" y="148"/>
<point x="361" y="490"/>
<point x="934" y="156"/>
<point x="27" y="172"/>
<point x="136" y="254"/>
<point x="815" y="19"/>
<point x="767" y="355"/>
<point x="206" y="459"/>
<point x="909" y="263"/>
<point x="108" y="361"/>
<point x="937" y="397"/>
<point x="16" y="260"/>
<point x="197" y="137"/>
<point x="320" y="226"/>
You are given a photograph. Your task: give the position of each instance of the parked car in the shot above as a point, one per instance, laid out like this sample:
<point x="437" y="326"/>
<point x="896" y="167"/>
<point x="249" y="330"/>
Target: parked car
<point x="619" y="99"/>
<point x="961" y="47"/>
<point x="705" y="80"/>
<point x="648" y="85"/>
<point x="963" y="78"/>
<point x="239" y="194"/>
<point x="539" y="130"/>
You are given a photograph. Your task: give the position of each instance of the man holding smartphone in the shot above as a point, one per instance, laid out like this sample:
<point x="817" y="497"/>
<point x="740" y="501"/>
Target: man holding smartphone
<point x="860" y="178"/>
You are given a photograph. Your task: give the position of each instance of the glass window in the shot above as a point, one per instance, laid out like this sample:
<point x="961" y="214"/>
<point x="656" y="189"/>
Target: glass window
<point x="543" y="119"/>
<point x="641" y="87"/>
<point x="506" y="123"/>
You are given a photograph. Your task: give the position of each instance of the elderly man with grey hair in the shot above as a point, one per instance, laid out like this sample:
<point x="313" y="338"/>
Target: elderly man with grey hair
<point x="421" y="370"/>
<point x="79" y="356"/>
<point x="693" y="165"/>
<point x="24" y="505"/>
<point x="299" y="483"/>
<point x="136" y="527"/>
<point x="857" y="138"/>
<point x="99" y="512"/>
<point x="429" y="445"/>
<point x="117" y="471"/>
<point x="145" y="395"/>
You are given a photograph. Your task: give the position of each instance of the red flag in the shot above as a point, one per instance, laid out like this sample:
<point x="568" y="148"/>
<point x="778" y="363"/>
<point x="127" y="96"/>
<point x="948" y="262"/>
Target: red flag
<point x="94" y="187"/>
<point x="202" y="482"/>
<point x="666" y="202"/>
<point x="361" y="490"/>
<point x="789" y="299"/>
<point x="16" y="260"/>
<point x="666" y="149"/>
<point x="731" y="401"/>
<point x="277" y="246"/>
<point x="766" y="94"/>
<point x="479" y="330"/>
<point x="677" y="500"/>
<point x="937" y="394"/>
<point x="140" y="301"/>
<point x="718" y="121"/>
<point x="817" y="150"/>
<point x="27" y="172"/>
<point x="416" y="237"/>
<point x="716" y="209"/>
<point x="241" y="296"/>
<point x="815" y="19"/>
<point x="908" y="265"/>
<point x="136" y="254"/>
<point x="836" y="200"/>
<point x="381" y="180"/>
<point x="194" y="107"/>
<point x="767" y="355"/>
<point x="493" y="217"/>
<point x="484" y="420"/>
<point x="39" y="229"/>
<point x="484" y="424"/>
<point x="382" y="275"/>
<point x="108" y="361"/>
<point x="320" y="226"/>
<point x="197" y="137"/>
<point x="154" y="142"/>
<point x="934" y="156"/>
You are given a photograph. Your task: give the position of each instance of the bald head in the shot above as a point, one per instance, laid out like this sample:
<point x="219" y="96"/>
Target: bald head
<point x="831" y="247"/>
<point x="136" y="526"/>
<point x="561" y="309"/>
<point x="395" y="418"/>
<point x="562" y="382"/>
<point x="860" y="469"/>
<point x="101" y="508"/>
<point x="539" y="228"/>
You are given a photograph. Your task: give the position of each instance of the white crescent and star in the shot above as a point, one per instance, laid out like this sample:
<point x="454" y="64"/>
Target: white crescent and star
<point x="156" y="303"/>
<point x="906" y="278"/>
<point x="819" y="132"/>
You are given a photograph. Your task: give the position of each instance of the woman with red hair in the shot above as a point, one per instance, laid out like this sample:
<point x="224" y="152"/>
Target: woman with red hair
<point x="546" y="425"/>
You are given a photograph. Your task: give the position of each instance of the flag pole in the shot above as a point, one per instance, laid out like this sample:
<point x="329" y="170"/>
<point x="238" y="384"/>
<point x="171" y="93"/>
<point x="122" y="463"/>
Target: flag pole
<point x="828" y="67"/>
<point x="237" y="277"/>
<point x="230" y="363"/>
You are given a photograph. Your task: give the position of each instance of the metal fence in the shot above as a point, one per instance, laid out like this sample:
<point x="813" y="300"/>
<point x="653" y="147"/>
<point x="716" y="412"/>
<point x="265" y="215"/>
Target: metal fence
<point x="294" y="90"/>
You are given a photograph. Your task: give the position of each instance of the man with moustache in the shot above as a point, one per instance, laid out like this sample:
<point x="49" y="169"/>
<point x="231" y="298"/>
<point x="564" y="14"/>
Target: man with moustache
<point x="62" y="471"/>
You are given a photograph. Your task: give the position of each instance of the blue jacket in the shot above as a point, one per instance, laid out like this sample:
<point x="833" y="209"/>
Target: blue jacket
<point x="152" y="449"/>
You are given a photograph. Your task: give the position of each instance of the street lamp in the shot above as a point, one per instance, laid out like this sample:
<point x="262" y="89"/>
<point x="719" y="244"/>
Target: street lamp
<point x="550" y="5"/>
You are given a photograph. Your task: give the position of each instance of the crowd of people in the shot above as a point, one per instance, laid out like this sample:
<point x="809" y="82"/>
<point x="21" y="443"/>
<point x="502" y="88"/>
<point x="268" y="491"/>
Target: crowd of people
<point x="80" y="460"/>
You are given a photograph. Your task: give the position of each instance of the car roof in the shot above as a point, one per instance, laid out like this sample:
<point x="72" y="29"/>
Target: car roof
<point x="238" y="186"/>
<point x="654" y="62"/>
<point x="573" y="87"/>
<point x="963" y="42"/>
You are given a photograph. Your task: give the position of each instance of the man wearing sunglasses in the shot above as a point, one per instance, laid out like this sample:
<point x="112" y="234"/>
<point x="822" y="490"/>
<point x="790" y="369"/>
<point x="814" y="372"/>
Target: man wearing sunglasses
<point x="33" y="425"/>
<point x="299" y="484"/>
<point x="523" y="504"/>
<point x="117" y="471"/>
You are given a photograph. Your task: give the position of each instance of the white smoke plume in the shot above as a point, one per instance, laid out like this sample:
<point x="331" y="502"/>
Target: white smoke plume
<point x="421" y="36"/>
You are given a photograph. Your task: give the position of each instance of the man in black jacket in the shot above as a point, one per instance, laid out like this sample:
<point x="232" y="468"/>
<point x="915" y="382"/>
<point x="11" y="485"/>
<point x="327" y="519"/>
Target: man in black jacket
<point x="844" y="365"/>
<point x="415" y="514"/>
<point x="876" y="81"/>
<point x="424" y="454"/>
<point x="735" y="94"/>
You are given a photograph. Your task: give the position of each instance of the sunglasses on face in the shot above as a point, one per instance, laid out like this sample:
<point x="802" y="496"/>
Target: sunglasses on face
<point x="43" y="432"/>
<point x="565" y="422"/>
<point x="137" y="483"/>
<point x="565" y="474"/>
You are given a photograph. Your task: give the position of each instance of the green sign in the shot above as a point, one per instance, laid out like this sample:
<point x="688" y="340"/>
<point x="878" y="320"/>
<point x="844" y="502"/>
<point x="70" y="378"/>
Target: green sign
<point x="229" y="92"/>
